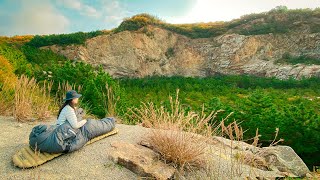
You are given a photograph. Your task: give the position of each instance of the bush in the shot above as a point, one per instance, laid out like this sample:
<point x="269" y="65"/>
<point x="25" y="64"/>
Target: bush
<point x="170" y="52"/>
<point x="16" y="58"/>
<point x="6" y="73"/>
<point x="63" y="39"/>
<point x="136" y="22"/>
<point x="93" y="82"/>
<point x="41" y="56"/>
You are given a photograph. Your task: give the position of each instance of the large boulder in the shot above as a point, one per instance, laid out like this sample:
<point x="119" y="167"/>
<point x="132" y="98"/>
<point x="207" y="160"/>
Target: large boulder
<point x="277" y="158"/>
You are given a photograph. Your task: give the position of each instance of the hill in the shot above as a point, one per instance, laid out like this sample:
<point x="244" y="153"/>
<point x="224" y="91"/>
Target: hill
<point x="279" y="43"/>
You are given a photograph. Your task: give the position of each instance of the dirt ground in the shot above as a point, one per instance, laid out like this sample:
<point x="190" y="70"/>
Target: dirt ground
<point x="90" y="162"/>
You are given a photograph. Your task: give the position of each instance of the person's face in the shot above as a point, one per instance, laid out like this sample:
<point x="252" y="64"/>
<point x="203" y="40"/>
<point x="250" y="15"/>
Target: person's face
<point x="75" y="100"/>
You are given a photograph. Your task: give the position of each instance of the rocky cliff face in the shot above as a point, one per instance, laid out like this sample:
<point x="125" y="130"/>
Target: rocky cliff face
<point x="155" y="51"/>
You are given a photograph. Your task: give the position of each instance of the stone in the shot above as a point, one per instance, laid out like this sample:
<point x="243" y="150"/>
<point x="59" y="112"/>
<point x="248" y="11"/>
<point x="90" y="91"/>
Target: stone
<point x="140" y="160"/>
<point x="281" y="159"/>
<point x="285" y="160"/>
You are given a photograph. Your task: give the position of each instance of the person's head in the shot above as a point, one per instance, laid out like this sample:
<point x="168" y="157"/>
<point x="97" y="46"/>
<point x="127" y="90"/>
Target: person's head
<point x="72" y="99"/>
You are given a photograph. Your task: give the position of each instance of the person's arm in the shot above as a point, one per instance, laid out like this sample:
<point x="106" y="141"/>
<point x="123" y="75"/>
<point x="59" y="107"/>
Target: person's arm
<point x="80" y="113"/>
<point x="72" y="118"/>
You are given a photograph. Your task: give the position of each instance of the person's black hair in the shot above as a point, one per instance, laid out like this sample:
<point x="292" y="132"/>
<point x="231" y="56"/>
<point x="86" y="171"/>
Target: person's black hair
<point x="68" y="102"/>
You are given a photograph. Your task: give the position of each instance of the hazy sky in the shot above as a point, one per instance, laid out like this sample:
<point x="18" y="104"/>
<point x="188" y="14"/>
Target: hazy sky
<point x="18" y="17"/>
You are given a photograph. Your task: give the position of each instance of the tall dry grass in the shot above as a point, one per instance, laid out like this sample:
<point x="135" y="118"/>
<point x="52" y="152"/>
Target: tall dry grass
<point x="178" y="136"/>
<point x="241" y="153"/>
<point x="26" y="99"/>
<point x="110" y="101"/>
<point x="31" y="100"/>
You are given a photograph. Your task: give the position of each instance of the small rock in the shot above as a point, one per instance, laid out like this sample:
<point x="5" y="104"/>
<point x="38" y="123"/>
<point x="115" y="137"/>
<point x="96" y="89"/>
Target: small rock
<point x="140" y="160"/>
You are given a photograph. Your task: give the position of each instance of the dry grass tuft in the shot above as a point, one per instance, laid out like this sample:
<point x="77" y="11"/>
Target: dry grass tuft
<point x="181" y="149"/>
<point x="110" y="101"/>
<point x="31" y="100"/>
<point x="63" y="88"/>
<point x="235" y="133"/>
<point x="179" y="137"/>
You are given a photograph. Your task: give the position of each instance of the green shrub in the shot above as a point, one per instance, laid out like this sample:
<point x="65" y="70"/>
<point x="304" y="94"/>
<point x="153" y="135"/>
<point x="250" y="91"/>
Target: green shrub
<point x="41" y="56"/>
<point x="62" y="39"/>
<point x="170" y="52"/>
<point x="16" y="58"/>
<point x="136" y="22"/>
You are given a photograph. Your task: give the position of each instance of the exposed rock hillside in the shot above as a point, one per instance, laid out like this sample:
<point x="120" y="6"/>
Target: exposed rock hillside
<point x="156" y="51"/>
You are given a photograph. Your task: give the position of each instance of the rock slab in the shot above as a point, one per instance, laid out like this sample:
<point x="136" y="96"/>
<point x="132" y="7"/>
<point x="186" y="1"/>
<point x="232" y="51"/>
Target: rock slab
<point x="140" y="160"/>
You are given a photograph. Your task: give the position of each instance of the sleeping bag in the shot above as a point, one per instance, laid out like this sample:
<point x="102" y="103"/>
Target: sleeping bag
<point x="64" y="138"/>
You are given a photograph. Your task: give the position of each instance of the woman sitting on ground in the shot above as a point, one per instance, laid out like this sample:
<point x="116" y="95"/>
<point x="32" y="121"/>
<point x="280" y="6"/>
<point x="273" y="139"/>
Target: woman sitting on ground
<point x="68" y="111"/>
<point x="70" y="132"/>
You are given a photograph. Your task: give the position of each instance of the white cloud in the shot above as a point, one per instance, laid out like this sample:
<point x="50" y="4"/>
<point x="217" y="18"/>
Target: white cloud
<point x="73" y="4"/>
<point x="114" y="12"/>
<point x="109" y="12"/>
<point x="90" y="11"/>
<point x="83" y="9"/>
<point x="36" y="17"/>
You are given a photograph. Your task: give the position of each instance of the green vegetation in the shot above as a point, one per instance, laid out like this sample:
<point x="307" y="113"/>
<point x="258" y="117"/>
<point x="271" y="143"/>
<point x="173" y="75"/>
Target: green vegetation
<point x="92" y="80"/>
<point x="136" y="22"/>
<point x="44" y="65"/>
<point x="278" y="20"/>
<point x="63" y="39"/>
<point x="264" y="103"/>
<point x="170" y="52"/>
<point x="288" y="58"/>
<point x="16" y="58"/>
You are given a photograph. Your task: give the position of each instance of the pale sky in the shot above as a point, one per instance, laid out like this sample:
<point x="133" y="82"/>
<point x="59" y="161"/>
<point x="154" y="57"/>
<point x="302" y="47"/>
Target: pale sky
<point x="225" y="10"/>
<point x="19" y="17"/>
